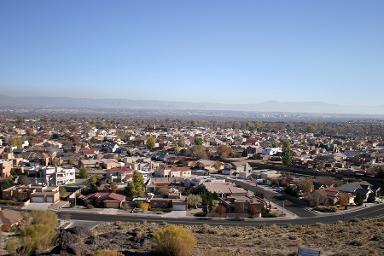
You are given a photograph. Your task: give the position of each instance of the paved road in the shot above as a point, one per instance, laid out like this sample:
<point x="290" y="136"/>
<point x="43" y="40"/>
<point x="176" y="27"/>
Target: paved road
<point x="376" y="211"/>
<point x="293" y="205"/>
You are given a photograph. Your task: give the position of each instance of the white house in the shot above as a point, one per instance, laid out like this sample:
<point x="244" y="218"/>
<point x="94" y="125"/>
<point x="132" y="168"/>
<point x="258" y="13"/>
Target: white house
<point x="57" y="176"/>
<point x="271" y="151"/>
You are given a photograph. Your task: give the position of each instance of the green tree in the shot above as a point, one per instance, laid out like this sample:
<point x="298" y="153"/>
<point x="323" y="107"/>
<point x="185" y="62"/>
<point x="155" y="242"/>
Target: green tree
<point x="129" y="190"/>
<point x="151" y="142"/>
<point x="287" y="153"/>
<point x="173" y="240"/>
<point x="7" y="183"/>
<point x="199" y="141"/>
<point x="193" y="201"/>
<point x="371" y="198"/>
<point x="359" y="199"/>
<point x="136" y="187"/>
<point x="83" y="173"/>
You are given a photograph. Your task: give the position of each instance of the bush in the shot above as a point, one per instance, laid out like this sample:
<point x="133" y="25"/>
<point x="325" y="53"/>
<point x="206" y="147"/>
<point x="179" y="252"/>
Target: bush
<point x="326" y="209"/>
<point x="144" y="206"/>
<point x="172" y="240"/>
<point x="359" y="200"/>
<point x="39" y="235"/>
<point x="371" y="198"/>
<point x="105" y="252"/>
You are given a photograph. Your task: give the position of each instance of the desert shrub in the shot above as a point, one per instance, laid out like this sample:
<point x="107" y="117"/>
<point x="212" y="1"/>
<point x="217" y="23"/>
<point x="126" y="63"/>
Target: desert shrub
<point x="144" y="206"/>
<point x="172" y="240"/>
<point x="44" y="217"/>
<point x="356" y="243"/>
<point x="106" y="252"/>
<point x="37" y="236"/>
<point x="321" y="208"/>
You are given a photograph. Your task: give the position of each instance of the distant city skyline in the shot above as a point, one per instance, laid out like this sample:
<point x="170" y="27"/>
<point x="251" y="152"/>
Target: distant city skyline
<point x="228" y="52"/>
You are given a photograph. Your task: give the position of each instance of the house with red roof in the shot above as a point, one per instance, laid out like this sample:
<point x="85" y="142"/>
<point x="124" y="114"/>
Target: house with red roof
<point x="105" y="200"/>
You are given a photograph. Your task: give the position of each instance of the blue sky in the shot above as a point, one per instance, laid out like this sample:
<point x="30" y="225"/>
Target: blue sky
<point x="219" y="51"/>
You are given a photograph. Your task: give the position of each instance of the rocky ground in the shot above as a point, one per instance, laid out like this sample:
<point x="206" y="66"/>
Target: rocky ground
<point x="364" y="237"/>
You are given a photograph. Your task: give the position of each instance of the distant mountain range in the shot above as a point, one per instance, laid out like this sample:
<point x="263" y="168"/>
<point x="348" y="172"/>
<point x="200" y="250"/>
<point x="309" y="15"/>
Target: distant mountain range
<point x="18" y="102"/>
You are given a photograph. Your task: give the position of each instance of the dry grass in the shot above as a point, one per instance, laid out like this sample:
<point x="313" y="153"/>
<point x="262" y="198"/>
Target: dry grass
<point x="349" y="238"/>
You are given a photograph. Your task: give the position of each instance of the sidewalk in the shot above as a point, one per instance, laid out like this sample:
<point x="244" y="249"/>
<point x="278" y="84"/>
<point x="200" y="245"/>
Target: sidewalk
<point x="351" y="210"/>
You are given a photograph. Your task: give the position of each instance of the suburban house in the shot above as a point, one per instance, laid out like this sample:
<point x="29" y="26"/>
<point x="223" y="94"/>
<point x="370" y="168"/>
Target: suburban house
<point x="243" y="169"/>
<point x="45" y="195"/>
<point x="209" y="165"/>
<point x="243" y="205"/>
<point x="57" y="176"/>
<point x="224" y="189"/>
<point x="167" y="203"/>
<point x="36" y="194"/>
<point x="5" y="168"/>
<point x="105" y="200"/>
<point x="271" y="151"/>
<point x="119" y="175"/>
<point x="165" y="171"/>
<point x="363" y="188"/>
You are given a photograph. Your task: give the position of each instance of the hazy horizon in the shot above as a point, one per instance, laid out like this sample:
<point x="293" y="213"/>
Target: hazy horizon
<point x="247" y="52"/>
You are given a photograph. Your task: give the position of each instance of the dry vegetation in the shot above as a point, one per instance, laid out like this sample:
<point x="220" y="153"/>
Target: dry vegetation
<point x="349" y="238"/>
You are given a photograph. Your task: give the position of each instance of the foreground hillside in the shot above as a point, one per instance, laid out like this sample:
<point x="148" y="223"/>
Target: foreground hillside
<point x="364" y="237"/>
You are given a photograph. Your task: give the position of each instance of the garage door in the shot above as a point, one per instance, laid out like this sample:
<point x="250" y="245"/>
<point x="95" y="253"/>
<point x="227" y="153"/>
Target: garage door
<point x="37" y="199"/>
<point x="49" y="199"/>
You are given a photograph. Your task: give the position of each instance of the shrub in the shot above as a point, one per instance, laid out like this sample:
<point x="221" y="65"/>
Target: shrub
<point x="172" y="240"/>
<point x="105" y="252"/>
<point x="371" y="198"/>
<point x="359" y="200"/>
<point x="325" y="208"/>
<point x="39" y="235"/>
<point x="144" y="206"/>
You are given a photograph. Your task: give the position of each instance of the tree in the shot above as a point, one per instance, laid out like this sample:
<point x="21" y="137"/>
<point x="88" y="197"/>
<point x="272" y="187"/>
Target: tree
<point x="371" y="198"/>
<point x="343" y="200"/>
<point x="113" y="187"/>
<point x="136" y="187"/>
<point x="23" y="180"/>
<point x="359" y="200"/>
<point x="306" y="186"/>
<point x="224" y="151"/>
<point x="129" y="190"/>
<point x="144" y="206"/>
<point x="16" y="142"/>
<point x="287" y="153"/>
<point x="218" y="165"/>
<point x="151" y="142"/>
<point x="254" y="211"/>
<point x="7" y="183"/>
<point x="83" y="173"/>
<point x="199" y="141"/>
<point x="193" y="201"/>
<point x="220" y="210"/>
<point x="316" y="198"/>
<point x="138" y="182"/>
<point x="173" y="240"/>
<point x="199" y="151"/>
